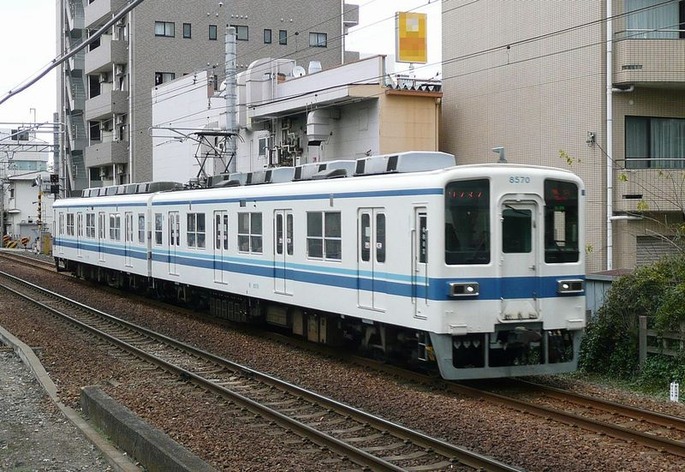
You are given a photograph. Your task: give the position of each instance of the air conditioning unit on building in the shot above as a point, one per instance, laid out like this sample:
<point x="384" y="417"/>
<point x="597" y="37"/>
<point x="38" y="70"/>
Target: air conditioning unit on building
<point x="119" y="69"/>
<point x="119" y="169"/>
<point x="120" y="119"/>
<point x="104" y="77"/>
<point x="106" y="125"/>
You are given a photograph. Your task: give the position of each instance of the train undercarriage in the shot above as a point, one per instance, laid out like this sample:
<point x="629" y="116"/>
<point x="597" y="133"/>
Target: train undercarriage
<point x="523" y="349"/>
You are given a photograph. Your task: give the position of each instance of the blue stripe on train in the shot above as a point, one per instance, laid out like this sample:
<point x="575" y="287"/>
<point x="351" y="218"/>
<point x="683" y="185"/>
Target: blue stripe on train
<point x="392" y="284"/>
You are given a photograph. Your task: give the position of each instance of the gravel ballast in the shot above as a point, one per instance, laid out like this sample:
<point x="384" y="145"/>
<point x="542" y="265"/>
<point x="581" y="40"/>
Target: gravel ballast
<point x="526" y="441"/>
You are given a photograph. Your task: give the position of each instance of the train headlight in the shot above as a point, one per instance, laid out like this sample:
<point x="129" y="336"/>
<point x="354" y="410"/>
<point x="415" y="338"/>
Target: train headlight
<point x="464" y="289"/>
<point x="570" y="286"/>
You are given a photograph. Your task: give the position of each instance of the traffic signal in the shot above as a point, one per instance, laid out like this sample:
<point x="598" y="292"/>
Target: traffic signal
<point x="54" y="184"/>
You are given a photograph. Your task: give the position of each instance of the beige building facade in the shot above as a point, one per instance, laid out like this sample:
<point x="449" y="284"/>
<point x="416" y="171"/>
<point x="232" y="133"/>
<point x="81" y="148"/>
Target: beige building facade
<point x="597" y="86"/>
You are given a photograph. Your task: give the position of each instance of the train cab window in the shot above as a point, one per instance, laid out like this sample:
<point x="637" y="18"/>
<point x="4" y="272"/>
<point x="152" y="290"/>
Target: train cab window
<point x="467" y="222"/>
<point x="517" y="226"/>
<point x="158" y="228"/>
<point x="324" y="235"/>
<point x="250" y="232"/>
<point x="90" y="225"/>
<point x="196" y="232"/>
<point x="561" y="222"/>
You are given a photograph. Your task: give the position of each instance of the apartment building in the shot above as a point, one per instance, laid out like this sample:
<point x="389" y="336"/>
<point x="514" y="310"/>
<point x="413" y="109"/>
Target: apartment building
<point x="105" y="91"/>
<point x="594" y="86"/>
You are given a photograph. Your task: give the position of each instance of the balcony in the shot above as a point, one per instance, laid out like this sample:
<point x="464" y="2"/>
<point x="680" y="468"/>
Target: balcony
<point x="97" y="12"/>
<point x="107" y="103"/>
<point x="350" y="15"/>
<point x="649" y="62"/>
<point x="109" y="51"/>
<point x="75" y="15"/>
<point x="658" y="188"/>
<point x="106" y="153"/>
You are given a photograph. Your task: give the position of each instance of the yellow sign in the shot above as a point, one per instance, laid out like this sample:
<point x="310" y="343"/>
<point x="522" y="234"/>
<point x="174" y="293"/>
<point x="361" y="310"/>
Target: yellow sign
<point x="411" y="43"/>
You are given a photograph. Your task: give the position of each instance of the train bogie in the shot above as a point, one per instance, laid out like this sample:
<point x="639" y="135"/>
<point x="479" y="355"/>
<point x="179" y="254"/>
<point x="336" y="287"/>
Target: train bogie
<point x="477" y="270"/>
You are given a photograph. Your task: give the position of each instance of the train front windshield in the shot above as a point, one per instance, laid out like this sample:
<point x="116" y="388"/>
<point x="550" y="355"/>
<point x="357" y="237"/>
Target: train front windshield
<point x="467" y="222"/>
<point x="561" y="222"/>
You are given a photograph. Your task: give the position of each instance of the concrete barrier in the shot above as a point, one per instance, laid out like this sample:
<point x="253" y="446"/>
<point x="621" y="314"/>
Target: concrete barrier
<point x="153" y="449"/>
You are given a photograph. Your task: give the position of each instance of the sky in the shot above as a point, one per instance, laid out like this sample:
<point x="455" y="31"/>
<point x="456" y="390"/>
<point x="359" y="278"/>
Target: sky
<point x="27" y="33"/>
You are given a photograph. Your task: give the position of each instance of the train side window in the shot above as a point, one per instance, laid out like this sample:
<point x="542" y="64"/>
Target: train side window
<point x="561" y="221"/>
<point x="70" y="224"/>
<point x="79" y="224"/>
<point x="196" y="232"/>
<point x="128" y="227"/>
<point x="279" y="234"/>
<point x="141" y="227"/>
<point x="250" y="232"/>
<point x="289" y="234"/>
<point x="60" y="224"/>
<point x="158" y="228"/>
<point x="102" y="230"/>
<point x="365" y="237"/>
<point x="324" y="235"/>
<point x="90" y="225"/>
<point x="115" y="226"/>
<point x="380" y="237"/>
<point x="221" y="230"/>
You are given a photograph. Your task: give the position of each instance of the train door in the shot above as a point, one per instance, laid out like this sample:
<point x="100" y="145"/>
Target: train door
<point x="371" y="281"/>
<point x="283" y="250"/>
<point x="79" y="234"/>
<point x="128" y="239"/>
<point x="419" y="256"/>
<point x="220" y="245"/>
<point x="520" y="267"/>
<point x="174" y="230"/>
<point x="102" y="232"/>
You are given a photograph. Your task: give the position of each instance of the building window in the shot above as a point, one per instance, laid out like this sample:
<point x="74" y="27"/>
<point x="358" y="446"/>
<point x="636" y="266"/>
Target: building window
<point x="161" y="77"/>
<point x="267" y="36"/>
<point x="187" y="30"/>
<point x="212" y="33"/>
<point x="242" y="32"/>
<point x="318" y="40"/>
<point x="250" y="232"/>
<point x="324" y="236"/>
<point x="196" y="230"/>
<point x="655" y="143"/>
<point x="654" y="19"/>
<point x="165" y="28"/>
<point x="282" y="37"/>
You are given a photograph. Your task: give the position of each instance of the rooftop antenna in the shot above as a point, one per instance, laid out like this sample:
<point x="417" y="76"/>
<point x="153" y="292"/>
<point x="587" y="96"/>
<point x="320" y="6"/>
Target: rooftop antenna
<point x="500" y="150"/>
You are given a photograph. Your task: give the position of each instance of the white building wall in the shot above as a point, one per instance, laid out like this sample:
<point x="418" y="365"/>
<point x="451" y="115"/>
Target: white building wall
<point x="179" y="108"/>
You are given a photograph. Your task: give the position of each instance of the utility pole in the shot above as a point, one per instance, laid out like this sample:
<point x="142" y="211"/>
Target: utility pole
<point x="231" y="128"/>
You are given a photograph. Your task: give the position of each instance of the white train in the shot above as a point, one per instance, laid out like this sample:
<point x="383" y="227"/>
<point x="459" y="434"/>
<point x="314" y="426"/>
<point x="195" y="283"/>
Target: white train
<point x="476" y="269"/>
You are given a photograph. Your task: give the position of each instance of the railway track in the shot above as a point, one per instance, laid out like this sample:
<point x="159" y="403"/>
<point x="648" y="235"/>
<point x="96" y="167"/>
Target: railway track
<point x="28" y="258"/>
<point x="661" y="432"/>
<point x="368" y="441"/>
